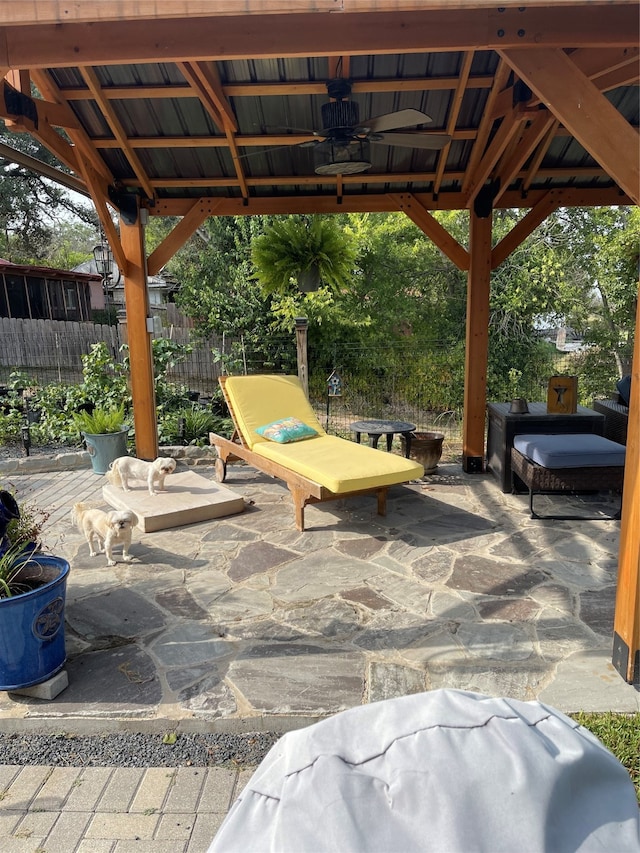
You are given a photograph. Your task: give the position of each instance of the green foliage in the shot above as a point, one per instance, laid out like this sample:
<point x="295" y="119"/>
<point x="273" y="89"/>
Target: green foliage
<point x="32" y="208"/>
<point x="27" y="528"/>
<point x="620" y="733"/>
<point x="99" y="421"/>
<point x="192" y="425"/>
<point x="296" y="245"/>
<point x="105" y="381"/>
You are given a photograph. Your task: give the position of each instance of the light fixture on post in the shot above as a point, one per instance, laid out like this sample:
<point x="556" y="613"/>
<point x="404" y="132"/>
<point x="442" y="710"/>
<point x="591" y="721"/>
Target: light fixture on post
<point x="103" y="258"/>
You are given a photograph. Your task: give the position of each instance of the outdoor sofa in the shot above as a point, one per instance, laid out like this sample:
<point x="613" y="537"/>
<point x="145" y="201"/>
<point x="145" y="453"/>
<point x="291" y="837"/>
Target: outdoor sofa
<point x="316" y="468"/>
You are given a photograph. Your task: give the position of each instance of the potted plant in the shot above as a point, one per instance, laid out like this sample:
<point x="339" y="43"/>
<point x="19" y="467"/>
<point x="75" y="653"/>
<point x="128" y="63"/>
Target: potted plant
<point x="105" y="435"/>
<point x="32" y="600"/>
<point x="303" y="251"/>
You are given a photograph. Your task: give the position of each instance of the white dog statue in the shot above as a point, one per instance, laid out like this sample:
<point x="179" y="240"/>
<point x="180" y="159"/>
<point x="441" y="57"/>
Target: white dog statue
<point x="126" y="468"/>
<point x="103" y="530"/>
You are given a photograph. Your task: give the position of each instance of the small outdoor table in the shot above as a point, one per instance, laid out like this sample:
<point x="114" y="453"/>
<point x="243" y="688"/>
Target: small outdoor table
<point x="375" y="429"/>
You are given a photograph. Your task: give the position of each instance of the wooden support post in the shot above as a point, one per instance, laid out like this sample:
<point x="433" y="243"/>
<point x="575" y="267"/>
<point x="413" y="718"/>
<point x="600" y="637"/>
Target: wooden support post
<point x="302" y="325"/>
<point x="626" y="626"/>
<point x="140" y="351"/>
<point x="477" y="343"/>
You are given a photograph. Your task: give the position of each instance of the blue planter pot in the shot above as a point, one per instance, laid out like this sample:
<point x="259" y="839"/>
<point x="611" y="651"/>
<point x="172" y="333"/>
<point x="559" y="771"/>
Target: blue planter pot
<point x="105" y="447"/>
<point x="32" y="645"/>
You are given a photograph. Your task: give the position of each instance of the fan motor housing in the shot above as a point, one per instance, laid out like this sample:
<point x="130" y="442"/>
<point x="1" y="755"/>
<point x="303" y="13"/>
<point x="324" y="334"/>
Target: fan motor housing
<point x="340" y="115"/>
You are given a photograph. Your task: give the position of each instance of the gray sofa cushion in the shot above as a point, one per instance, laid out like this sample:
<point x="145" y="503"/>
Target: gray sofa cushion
<point x="574" y="450"/>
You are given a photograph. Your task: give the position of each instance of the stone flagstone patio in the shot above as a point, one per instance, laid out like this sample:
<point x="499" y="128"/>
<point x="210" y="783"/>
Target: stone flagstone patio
<point x="244" y="623"/>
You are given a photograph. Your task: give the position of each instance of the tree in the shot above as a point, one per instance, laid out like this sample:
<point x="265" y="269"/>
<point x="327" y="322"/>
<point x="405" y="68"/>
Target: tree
<point x="33" y="207"/>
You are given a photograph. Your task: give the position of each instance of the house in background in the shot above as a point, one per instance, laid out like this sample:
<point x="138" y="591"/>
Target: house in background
<point x="160" y="287"/>
<point x="42" y="293"/>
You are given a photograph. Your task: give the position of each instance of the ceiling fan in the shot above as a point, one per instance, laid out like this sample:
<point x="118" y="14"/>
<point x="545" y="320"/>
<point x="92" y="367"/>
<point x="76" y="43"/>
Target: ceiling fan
<point x="342" y="146"/>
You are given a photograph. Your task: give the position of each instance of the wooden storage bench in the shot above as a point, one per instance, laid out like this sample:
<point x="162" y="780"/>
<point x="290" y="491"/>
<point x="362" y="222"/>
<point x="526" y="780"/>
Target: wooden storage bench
<point x="549" y="464"/>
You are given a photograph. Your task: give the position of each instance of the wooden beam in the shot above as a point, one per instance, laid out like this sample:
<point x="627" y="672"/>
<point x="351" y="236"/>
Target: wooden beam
<point x="245" y="141"/>
<point x="176" y="239"/>
<point x="547" y="204"/>
<point x="508" y="128"/>
<point x="626" y="626"/>
<point x="49" y="89"/>
<point x="91" y="78"/>
<point x="252" y="90"/>
<point x="381" y="203"/>
<point x="452" y="120"/>
<point x="590" y="117"/>
<point x="533" y="134"/>
<point x="477" y="344"/>
<point x="136" y="296"/>
<point x="538" y="157"/>
<point x="99" y="195"/>
<point x="426" y="222"/>
<point x="486" y="123"/>
<point x="45" y="169"/>
<point x="207" y="86"/>
<point x="305" y="35"/>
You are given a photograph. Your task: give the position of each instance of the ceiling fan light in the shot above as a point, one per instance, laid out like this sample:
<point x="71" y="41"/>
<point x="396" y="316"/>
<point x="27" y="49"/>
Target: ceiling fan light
<point x="342" y="159"/>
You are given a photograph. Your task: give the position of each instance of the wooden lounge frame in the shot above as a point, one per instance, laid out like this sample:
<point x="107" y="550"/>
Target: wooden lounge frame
<point x="303" y="490"/>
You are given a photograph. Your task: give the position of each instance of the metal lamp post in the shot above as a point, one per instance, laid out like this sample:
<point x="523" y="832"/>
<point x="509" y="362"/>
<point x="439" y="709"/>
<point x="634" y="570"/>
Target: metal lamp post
<point x="104" y="265"/>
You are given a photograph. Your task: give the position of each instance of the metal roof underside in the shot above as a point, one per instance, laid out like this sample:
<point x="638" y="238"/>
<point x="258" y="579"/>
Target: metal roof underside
<point x="242" y="128"/>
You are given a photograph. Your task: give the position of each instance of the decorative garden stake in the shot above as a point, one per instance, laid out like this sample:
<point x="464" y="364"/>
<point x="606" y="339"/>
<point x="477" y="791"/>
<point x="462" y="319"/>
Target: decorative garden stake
<point x="334" y="389"/>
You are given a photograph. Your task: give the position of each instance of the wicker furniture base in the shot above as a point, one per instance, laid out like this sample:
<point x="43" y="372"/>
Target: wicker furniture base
<point x="540" y="480"/>
<point x="616" y="419"/>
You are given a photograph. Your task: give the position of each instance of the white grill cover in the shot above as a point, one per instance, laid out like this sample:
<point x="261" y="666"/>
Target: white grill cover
<point x="442" y="771"/>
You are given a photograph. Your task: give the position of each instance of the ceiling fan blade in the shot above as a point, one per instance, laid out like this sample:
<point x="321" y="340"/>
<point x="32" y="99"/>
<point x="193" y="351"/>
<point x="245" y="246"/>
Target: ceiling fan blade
<point x="312" y="143"/>
<point x="401" y="118"/>
<point x="431" y="141"/>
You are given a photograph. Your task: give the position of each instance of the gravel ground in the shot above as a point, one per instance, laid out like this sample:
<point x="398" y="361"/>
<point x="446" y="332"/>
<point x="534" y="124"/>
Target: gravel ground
<point x="15" y="450"/>
<point x="136" y="750"/>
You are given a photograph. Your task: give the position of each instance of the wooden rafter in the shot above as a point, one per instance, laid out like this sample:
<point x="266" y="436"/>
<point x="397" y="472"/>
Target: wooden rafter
<point x="78" y="136"/>
<point x="538" y="157"/>
<point x="486" y="123"/>
<point x="99" y="194"/>
<point x="205" y="82"/>
<point x="509" y="126"/>
<point x="590" y="117"/>
<point x="258" y="90"/>
<point x="452" y="120"/>
<point x="92" y="81"/>
<point x="531" y="137"/>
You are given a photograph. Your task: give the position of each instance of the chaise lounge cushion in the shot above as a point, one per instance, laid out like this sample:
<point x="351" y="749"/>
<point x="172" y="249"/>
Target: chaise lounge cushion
<point x="341" y="465"/>
<point x="260" y="400"/>
<point x="570" y="451"/>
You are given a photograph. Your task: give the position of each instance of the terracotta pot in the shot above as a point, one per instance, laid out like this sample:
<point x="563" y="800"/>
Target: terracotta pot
<point x="426" y="448"/>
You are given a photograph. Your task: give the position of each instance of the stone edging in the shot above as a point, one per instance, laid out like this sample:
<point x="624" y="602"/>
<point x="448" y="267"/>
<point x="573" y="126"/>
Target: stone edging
<point x="190" y="456"/>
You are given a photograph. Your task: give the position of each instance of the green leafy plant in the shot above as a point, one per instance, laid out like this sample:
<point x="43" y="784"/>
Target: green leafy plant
<point x="99" y="421"/>
<point x="15" y="558"/>
<point x="297" y="248"/>
<point x="191" y="425"/>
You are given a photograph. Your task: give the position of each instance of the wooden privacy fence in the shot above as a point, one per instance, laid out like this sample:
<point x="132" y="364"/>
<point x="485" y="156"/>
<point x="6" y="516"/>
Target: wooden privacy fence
<point x="51" y="351"/>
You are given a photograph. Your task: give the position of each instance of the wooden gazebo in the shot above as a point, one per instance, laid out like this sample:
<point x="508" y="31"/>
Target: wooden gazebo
<point x="197" y="108"/>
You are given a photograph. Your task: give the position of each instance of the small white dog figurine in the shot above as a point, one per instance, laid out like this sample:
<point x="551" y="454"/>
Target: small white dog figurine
<point x="127" y="468"/>
<point x="105" y="529"/>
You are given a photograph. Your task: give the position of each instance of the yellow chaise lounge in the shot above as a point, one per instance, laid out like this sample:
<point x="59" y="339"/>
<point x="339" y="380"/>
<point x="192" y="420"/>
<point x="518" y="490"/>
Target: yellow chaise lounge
<point x="319" y="468"/>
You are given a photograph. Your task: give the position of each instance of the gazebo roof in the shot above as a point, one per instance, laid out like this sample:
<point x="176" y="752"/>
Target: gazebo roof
<point x="184" y="101"/>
